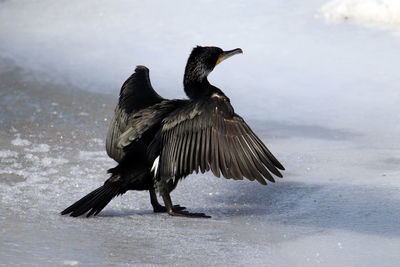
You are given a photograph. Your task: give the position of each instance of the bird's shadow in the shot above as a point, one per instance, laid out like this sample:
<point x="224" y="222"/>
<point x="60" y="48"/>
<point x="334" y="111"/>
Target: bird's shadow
<point x="357" y="208"/>
<point x="124" y="213"/>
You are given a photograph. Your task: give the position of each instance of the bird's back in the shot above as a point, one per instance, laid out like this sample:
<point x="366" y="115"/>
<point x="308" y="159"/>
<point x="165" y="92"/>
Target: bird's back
<point x="136" y="95"/>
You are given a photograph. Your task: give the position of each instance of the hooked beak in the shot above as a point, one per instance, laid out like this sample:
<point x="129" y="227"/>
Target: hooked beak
<point x="228" y="54"/>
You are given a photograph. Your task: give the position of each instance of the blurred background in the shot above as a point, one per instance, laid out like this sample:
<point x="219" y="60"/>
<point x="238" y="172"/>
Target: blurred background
<point x="318" y="82"/>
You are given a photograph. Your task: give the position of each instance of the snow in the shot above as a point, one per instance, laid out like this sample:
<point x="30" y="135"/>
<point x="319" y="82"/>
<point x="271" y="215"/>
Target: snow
<point x="71" y="263"/>
<point x="20" y="142"/>
<point x="46" y="161"/>
<point x="323" y="97"/>
<point x="385" y="13"/>
<point x="8" y="154"/>
<point x="92" y="155"/>
<point x="38" y="148"/>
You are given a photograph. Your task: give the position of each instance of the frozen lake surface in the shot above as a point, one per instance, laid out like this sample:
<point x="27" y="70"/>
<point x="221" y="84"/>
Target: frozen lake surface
<point x="323" y="97"/>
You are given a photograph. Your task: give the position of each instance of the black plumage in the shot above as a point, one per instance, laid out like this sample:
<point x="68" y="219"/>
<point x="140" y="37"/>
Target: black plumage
<point x="157" y="142"/>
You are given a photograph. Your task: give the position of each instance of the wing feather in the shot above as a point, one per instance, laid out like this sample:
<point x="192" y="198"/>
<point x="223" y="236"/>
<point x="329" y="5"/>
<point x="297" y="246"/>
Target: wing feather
<point x="265" y="149"/>
<point x="191" y="151"/>
<point x="203" y="151"/>
<point x="256" y="161"/>
<point x="222" y="155"/>
<point x="248" y="159"/>
<point x="207" y="148"/>
<point x="241" y="157"/>
<point x="171" y="151"/>
<point x="181" y="154"/>
<point x="209" y="135"/>
<point x="186" y="153"/>
<point x="136" y="95"/>
<point x="225" y="158"/>
<point x="197" y="151"/>
<point x="236" y="173"/>
<point x="214" y="153"/>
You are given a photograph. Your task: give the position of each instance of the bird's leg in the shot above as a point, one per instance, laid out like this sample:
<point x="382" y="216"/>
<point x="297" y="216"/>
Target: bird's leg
<point x="157" y="207"/>
<point x="154" y="202"/>
<point x="172" y="211"/>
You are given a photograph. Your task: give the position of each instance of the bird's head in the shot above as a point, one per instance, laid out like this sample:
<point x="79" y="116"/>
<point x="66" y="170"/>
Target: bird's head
<point x="202" y="61"/>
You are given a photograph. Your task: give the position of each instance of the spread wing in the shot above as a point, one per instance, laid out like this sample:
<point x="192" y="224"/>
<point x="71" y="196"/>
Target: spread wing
<point x="136" y="94"/>
<point x="209" y="135"/>
<point x="145" y="119"/>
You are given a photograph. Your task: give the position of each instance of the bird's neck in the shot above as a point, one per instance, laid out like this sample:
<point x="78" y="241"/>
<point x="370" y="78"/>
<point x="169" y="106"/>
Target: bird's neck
<point x="198" y="88"/>
<point x="195" y="80"/>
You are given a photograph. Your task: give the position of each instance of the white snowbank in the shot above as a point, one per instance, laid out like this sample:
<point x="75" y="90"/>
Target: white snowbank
<point x="378" y="12"/>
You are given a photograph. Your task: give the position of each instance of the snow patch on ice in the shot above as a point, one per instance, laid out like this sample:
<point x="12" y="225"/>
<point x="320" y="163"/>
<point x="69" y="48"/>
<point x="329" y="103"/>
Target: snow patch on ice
<point x="71" y="263"/>
<point x="20" y="142"/>
<point x="8" y="154"/>
<point x="46" y="162"/>
<point x="31" y="157"/>
<point x="40" y="148"/>
<point x="379" y="12"/>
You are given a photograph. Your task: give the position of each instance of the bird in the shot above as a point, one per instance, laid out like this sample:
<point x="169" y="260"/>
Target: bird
<point x="157" y="142"/>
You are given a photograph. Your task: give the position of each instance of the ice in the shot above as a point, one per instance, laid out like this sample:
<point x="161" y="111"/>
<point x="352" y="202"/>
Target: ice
<point x="92" y="155"/>
<point x="324" y="98"/>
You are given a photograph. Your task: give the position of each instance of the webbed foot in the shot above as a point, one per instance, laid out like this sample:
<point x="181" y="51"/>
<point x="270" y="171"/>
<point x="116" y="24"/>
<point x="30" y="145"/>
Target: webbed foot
<point x="182" y="213"/>
<point x="159" y="208"/>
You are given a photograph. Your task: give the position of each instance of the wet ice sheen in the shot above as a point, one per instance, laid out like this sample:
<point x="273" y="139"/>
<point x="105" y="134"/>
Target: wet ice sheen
<point x="324" y="98"/>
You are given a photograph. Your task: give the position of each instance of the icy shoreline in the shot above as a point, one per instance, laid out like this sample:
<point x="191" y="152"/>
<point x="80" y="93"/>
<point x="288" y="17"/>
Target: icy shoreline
<point x="324" y="98"/>
<point x="322" y="212"/>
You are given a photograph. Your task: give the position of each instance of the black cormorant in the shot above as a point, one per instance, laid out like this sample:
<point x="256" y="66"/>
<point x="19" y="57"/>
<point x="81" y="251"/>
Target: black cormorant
<point x="157" y="141"/>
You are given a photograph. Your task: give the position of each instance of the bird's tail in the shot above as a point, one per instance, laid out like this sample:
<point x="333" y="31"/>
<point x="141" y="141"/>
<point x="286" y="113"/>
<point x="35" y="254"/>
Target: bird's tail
<point x="93" y="202"/>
